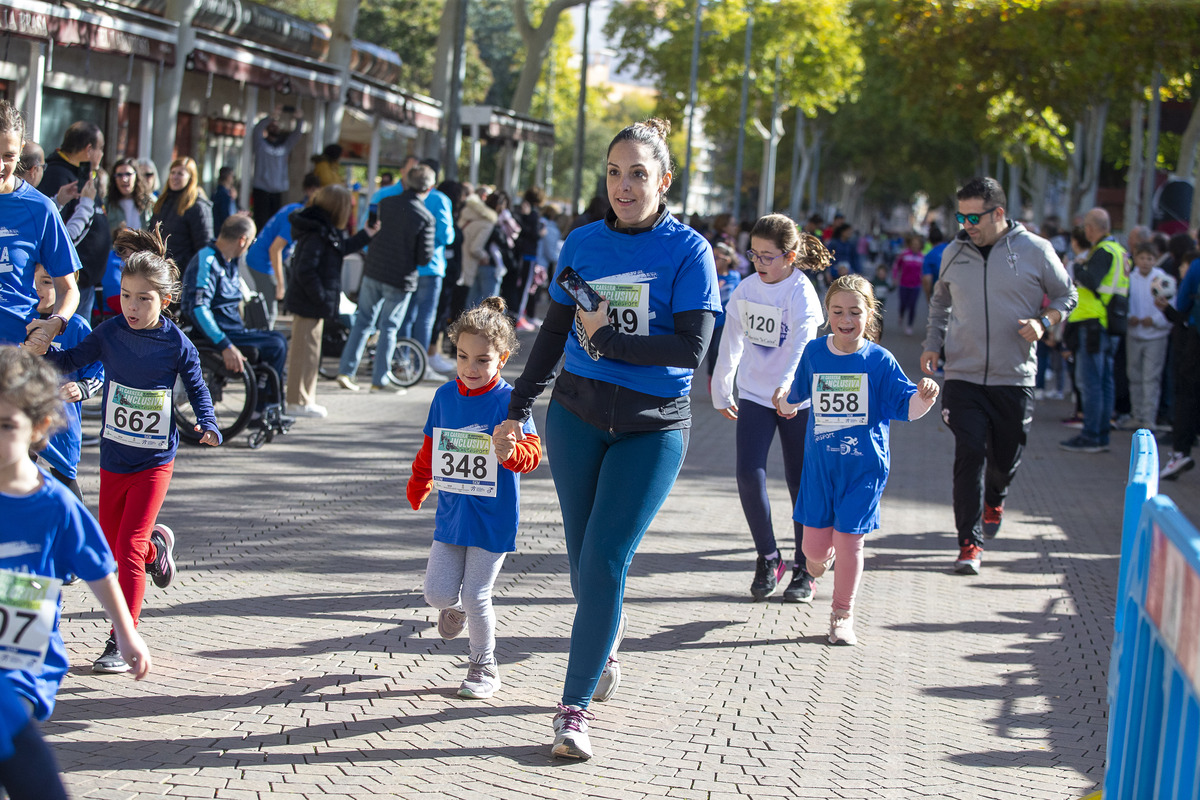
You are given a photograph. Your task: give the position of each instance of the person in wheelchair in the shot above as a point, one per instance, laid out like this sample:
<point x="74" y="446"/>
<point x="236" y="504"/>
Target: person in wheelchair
<point x="212" y="297"/>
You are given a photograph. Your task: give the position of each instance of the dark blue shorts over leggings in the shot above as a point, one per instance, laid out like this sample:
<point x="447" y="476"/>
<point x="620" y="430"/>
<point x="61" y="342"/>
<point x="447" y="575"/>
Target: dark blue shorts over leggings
<point x="610" y="486"/>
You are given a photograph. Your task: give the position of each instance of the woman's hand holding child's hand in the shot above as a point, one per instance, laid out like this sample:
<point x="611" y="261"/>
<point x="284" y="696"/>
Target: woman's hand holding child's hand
<point x="505" y="442"/>
<point x="785" y="409"/>
<point x="69" y="392"/>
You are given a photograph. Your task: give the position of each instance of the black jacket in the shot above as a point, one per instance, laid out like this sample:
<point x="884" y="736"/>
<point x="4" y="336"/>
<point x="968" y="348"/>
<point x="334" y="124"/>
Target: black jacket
<point x="188" y="234"/>
<point x="404" y="242"/>
<point x="95" y="242"/>
<point x="315" y="275"/>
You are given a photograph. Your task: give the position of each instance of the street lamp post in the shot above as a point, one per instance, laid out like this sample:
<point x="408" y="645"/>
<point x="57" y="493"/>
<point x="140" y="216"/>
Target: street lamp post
<point x="454" y="118"/>
<point x="687" y="160"/>
<point x="581" y="120"/>
<point x="741" y="145"/>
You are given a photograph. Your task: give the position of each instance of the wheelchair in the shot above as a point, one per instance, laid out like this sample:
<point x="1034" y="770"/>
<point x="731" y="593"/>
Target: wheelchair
<point x="234" y="397"/>
<point x="409" y="360"/>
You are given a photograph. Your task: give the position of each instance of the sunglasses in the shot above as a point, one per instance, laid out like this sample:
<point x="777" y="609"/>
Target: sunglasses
<point x="974" y="218"/>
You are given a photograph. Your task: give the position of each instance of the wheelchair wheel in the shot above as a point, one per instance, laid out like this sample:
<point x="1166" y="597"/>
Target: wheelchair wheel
<point x="409" y="362"/>
<point x="233" y="396"/>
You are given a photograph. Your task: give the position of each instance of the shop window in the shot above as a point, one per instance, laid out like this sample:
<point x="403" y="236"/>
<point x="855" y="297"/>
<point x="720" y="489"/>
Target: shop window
<point x="60" y="109"/>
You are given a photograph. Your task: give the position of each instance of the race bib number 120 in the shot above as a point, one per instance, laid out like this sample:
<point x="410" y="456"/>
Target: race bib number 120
<point x="463" y="462"/>
<point x="839" y="400"/>
<point x="138" y="417"/>
<point x="28" y="604"/>
<point x="762" y="324"/>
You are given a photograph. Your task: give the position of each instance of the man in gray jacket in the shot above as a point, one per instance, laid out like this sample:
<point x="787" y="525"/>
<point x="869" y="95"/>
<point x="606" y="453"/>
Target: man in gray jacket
<point x="986" y="315"/>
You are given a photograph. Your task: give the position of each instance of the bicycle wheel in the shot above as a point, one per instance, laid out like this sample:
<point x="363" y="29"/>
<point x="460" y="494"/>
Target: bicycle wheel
<point x="233" y="397"/>
<point x="408" y="362"/>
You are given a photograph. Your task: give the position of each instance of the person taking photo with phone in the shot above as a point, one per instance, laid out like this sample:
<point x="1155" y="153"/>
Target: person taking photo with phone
<point x="619" y="418"/>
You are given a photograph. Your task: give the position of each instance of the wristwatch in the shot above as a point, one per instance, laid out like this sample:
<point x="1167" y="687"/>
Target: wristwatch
<point x="1045" y="320"/>
<point x="61" y="319"/>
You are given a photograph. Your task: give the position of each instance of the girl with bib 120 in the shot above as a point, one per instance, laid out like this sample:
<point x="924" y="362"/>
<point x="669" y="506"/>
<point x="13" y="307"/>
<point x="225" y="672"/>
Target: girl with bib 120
<point x="856" y="387"/>
<point x="618" y="421"/>
<point x="143" y="353"/>
<point x="771" y="317"/>
<point x="477" y="474"/>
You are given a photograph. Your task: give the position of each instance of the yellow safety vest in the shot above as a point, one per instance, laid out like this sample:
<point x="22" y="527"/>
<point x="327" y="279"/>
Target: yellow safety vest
<point x="1094" y="305"/>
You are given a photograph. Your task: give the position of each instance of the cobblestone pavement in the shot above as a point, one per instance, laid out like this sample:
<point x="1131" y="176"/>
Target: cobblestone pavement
<point x="294" y="657"/>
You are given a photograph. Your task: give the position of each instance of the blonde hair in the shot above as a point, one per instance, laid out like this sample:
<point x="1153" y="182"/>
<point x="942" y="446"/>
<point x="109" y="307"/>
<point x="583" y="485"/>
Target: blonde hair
<point x="859" y="285"/>
<point x="187" y="197"/>
<point x="30" y="383"/>
<point x="335" y="199"/>
<point x="489" y="321"/>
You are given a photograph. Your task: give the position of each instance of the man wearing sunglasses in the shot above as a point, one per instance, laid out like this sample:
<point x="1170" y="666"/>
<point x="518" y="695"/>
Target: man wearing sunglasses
<point x="986" y="315"/>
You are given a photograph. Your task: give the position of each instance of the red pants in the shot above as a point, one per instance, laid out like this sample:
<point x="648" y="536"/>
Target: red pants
<point x="129" y="505"/>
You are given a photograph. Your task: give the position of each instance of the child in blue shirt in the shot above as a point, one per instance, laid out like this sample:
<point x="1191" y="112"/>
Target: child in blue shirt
<point x="47" y="535"/>
<point x="143" y="353"/>
<point x="476" y="472"/>
<point x="855" y="387"/>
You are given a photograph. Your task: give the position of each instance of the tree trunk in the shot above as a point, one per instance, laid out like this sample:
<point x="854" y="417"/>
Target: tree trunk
<point x="1151" y="167"/>
<point x="801" y="162"/>
<point x="1133" y="176"/>
<point x="537" y="47"/>
<point x="1189" y="145"/>
<point x="341" y="47"/>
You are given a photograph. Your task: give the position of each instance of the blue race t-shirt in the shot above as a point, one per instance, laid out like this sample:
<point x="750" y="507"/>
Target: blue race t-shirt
<point x="932" y="264"/>
<point x="62" y="451"/>
<point x="50" y="533"/>
<point x="258" y="257"/>
<point x="137" y="432"/>
<point x="647" y="277"/>
<point x="471" y="520"/>
<point x="846" y="451"/>
<point x="31" y="233"/>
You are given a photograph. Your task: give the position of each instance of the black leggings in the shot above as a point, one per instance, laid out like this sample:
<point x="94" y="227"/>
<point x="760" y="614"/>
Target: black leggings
<point x="32" y="772"/>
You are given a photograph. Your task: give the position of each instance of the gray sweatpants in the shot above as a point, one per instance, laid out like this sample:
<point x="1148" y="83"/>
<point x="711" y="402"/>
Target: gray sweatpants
<point x="458" y="575"/>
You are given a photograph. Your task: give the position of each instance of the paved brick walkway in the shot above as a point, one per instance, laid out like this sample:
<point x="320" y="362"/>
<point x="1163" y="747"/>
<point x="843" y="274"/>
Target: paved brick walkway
<point x="294" y="657"/>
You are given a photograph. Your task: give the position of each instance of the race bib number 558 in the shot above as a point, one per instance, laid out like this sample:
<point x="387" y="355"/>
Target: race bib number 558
<point x="463" y="462"/>
<point x="138" y="417"/>
<point x="839" y="400"/>
<point x="28" y="604"/>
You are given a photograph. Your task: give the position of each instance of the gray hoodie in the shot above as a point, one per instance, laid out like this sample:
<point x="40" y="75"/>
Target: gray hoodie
<point x="975" y="307"/>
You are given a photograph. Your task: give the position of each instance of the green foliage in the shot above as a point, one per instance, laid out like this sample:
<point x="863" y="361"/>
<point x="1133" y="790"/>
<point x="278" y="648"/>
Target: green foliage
<point x="493" y="30"/>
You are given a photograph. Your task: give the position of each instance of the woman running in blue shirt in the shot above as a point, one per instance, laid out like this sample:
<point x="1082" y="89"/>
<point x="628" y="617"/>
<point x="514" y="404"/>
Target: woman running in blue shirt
<point x="618" y="422"/>
<point x="143" y="353"/>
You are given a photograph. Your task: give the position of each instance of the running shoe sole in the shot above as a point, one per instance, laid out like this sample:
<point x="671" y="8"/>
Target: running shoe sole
<point x="451" y="622"/>
<point x="164" y="538"/>
<point x="569" y="748"/>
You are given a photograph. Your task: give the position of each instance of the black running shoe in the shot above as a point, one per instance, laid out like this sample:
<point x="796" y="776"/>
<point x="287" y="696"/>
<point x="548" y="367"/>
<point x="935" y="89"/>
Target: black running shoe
<point x="110" y="663"/>
<point x="800" y="590"/>
<point x="162" y="568"/>
<point x="766" y="577"/>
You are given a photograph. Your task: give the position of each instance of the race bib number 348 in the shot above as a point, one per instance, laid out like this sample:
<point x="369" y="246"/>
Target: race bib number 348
<point x="839" y="400"/>
<point x="28" y="604"/>
<point x="138" y="417"/>
<point x="463" y="462"/>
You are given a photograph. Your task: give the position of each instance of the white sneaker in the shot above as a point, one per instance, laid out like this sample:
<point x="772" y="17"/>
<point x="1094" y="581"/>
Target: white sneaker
<point x="346" y="382"/>
<point x="570" y="733"/>
<point x="841" y="628"/>
<point x="610" y="679"/>
<point x="1177" y="464"/>
<point x="433" y="376"/>
<point x="482" y="681"/>
<point x="439" y="363"/>
<point x="451" y="622"/>
<point x="313" y="410"/>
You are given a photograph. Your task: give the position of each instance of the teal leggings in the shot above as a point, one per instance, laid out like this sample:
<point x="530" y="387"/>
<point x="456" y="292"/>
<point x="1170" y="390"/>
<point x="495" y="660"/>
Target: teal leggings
<point x="609" y="486"/>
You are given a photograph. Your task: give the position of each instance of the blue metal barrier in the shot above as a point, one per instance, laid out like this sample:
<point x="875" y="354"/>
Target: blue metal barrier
<point x="1154" y="674"/>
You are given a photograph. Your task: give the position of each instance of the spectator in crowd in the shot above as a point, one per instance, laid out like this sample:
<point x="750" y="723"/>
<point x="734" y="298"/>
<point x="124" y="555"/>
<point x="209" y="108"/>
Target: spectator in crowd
<point x="129" y="203"/>
<point x="224" y="198"/>
<point x="274" y="139"/>
<point x="32" y="164"/>
<point x="1147" y="338"/>
<point x="418" y="322"/>
<point x="478" y="276"/>
<point x="149" y="174"/>
<point x="1185" y="314"/>
<point x="405" y="240"/>
<point x="272" y="248"/>
<point x="327" y="166"/>
<point x="931" y="264"/>
<point x="184" y="212"/>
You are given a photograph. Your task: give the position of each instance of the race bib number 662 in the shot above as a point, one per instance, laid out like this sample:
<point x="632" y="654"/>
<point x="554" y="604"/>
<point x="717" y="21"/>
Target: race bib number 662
<point x="138" y="417"/>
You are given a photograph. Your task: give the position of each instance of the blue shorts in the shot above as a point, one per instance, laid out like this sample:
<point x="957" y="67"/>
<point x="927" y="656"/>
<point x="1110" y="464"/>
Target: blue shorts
<point x="849" y="504"/>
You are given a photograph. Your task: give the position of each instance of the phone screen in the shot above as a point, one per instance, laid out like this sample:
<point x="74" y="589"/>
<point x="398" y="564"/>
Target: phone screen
<point x="372" y="215"/>
<point x="578" y="288"/>
<point x="289" y="109"/>
<point x="85" y="174"/>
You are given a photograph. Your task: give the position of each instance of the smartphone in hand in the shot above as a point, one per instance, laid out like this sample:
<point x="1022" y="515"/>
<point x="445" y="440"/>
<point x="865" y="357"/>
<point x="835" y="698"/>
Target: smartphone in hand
<point x="372" y="215"/>
<point x="85" y="174"/>
<point x="578" y="288"/>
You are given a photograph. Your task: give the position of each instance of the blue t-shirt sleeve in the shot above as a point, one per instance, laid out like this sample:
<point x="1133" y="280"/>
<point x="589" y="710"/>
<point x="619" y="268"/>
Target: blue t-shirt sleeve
<point x="81" y="355"/>
<point x="695" y="285"/>
<point x="802" y="381"/>
<point x="894" y="388"/>
<point x="197" y="390"/>
<point x="56" y="252"/>
<point x="80" y="547"/>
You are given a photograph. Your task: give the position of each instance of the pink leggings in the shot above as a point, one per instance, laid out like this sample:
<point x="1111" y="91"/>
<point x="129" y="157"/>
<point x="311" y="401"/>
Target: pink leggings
<point x="820" y="544"/>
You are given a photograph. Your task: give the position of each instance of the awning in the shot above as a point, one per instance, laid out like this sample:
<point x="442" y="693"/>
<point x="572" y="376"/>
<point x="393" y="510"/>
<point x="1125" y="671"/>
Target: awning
<point x="357" y="130"/>
<point x="260" y="68"/>
<point x="407" y="109"/>
<point x="504" y="125"/>
<point x="94" y="29"/>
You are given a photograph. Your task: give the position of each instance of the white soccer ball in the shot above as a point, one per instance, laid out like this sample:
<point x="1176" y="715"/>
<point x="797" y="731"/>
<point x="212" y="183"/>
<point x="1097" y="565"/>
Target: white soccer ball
<point x="1163" y="286"/>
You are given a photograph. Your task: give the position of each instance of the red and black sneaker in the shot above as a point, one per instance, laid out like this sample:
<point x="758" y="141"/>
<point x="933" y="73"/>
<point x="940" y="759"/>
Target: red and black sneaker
<point x="992" y="517"/>
<point x="969" y="560"/>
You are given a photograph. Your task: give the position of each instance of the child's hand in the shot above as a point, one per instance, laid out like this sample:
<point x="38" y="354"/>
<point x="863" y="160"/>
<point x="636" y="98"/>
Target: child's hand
<point x="133" y="650"/>
<point x="786" y="409"/>
<point x="729" y="413"/>
<point x="928" y="389"/>
<point x="69" y="392"/>
<point x="417" y="491"/>
<point x="505" y="442"/>
<point x="209" y="437"/>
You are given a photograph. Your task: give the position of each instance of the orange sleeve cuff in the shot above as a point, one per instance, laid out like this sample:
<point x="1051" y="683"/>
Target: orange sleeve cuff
<point x="421" y="482"/>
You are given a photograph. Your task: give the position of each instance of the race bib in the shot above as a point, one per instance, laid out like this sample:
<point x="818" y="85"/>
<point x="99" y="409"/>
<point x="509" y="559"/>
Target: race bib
<point x="28" y="604"/>
<point x="628" y="306"/>
<point x="762" y="323"/>
<point x="839" y="400"/>
<point x="463" y="462"/>
<point x="138" y="417"/>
